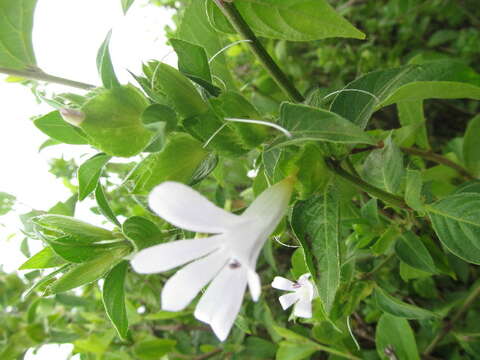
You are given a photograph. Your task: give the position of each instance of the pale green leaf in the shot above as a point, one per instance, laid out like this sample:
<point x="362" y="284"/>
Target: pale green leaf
<point x="153" y="349"/>
<point x="89" y="174"/>
<point x="126" y="5"/>
<point x="104" y="206"/>
<point x="45" y="258"/>
<point x="398" y="308"/>
<point x="413" y="190"/>
<point x="105" y="66"/>
<point x="411" y="250"/>
<point x="54" y="126"/>
<point x="395" y="334"/>
<point x="141" y="232"/>
<point x="6" y="203"/>
<point x="411" y="114"/>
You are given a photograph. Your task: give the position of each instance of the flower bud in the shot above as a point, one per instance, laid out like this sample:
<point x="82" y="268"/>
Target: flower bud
<point x="72" y="116"/>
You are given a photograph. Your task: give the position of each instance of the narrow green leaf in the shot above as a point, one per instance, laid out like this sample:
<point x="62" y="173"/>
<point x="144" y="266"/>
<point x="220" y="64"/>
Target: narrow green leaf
<point x="384" y="168"/>
<point x="7" y="201"/>
<point x="400" y="309"/>
<point x="141" y="232"/>
<point x="16" y="23"/>
<point x="471" y="146"/>
<point x="66" y="208"/>
<point x="294" y="20"/>
<point x="104" y="63"/>
<point x="78" y="229"/>
<point x="410" y="113"/>
<point x="456" y="221"/>
<point x="192" y="59"/>
<point x="54" y="126"/>
<point x="306" y="123"/>
<point x="126" y="5"/>
<point x="113" y="121"/>
<point x="177" y="161"/>
<point x="87" y="272"/>
<point x="411" y="250"/>
<point x="316" y="221"/>
<point x="153" y="349"/>
<point x="413" y="190"/>
<point x="104" y="206"/>
<point x="442" y="79"/>
<point x="395" y="335"/>
<point x="89" y="173"/>
<point x="113" y="295"/>
<point x="44" y="259"/>
<point x="162" y="120"/>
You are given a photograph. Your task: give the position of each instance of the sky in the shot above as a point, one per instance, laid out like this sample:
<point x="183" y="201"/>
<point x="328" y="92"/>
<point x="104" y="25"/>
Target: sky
<point x="66" y="37"/>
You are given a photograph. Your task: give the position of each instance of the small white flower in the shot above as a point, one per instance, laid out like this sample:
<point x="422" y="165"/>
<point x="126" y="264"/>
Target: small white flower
<point x="302" y="294"/>
<point x="226" y="260"/>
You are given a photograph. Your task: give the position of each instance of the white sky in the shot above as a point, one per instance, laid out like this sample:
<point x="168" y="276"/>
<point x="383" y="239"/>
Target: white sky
<point x="67" y="35"/>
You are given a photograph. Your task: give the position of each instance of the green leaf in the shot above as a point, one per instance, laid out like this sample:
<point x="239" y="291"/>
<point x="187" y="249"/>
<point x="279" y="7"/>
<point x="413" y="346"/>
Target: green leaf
<point x="196" y="29"/>
<point x="89" y="173"/>
<point x="384" y="168"/>
<point x="153" y="349"/>
<point x="113" y="295"/>
<point x="192" y="60"/>
<point x="54" y="126"/>
<point x="44" y="259"/>
<point x="104" y="206"/>
<point x="78" y="252"/>
<point x="162" y="120"/>
<point x="126" y="5"/>
<point x="66" y="208"/>
<point x="78" y="229"/>
<point x="113" y="121"/>
<point x="141" y="232"/>
<point x="395" y="334"/>
<point x="294" y="351"/>
<point x="16" y="23"/>
<point x="258" y="348"/>
<point x="411" y="250"/>
<point x="316" y="221"/>
<point x="413" y="190"/>
<point x="443" y="79"/>
<point x="471" y="147"/>
<point x="306" y="123"/>
<point x="177" y="161"/>
<point x="400" y="309"/>
<point x="456" y="221"/>
<point x="6" y="203"/>
<point x="294" y="20"/>
<point x="104" y="64"/>
<point x="87" y="272"/>
<point x="410" y="113"/>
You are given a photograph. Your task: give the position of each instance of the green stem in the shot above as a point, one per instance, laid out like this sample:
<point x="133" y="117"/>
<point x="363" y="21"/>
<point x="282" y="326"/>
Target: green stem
<point x="472" y="296"/>
<point x="239" y="24"/>
<point x="362" y="185"/>
<point x="37" y="74"/>
<point x="439" y="159"/>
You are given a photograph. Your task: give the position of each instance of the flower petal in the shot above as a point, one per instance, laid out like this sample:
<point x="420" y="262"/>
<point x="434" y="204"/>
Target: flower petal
<point x="182" y="287"/>
<point x="254" y="284"/>
<point x="167" y="256"/>
<point x="281" y="283"/>
<point x="220" y="304"/>
<point x="304" y="278"/>
<point x="303" y="308"/>
<point x="185" y="208"/>
<point x="288" y="300"/>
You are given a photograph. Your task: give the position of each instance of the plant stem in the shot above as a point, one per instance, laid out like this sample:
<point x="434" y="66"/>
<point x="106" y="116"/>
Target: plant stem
<point x="362" y="185"/>
<point x="474" y="294"/>
<point x="37" y="74"/>
<point x="239" y="24"/>
<point x="430" y="155"/>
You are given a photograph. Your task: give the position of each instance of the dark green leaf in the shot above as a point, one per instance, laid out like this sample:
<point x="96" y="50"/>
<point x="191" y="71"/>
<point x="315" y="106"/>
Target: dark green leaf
<point x="413" y="190"/>
<point x="456" y="220"/>
<point x="394" y="335"/>
<point x="141" y="232"/>
<point x="54" y="126"/>
<point x="113" y="295"/>
<point x="89" y="173"/>
<point x="192" y="59"/>
<point x="16" y="23"/>
<point x="293" y="351"/>
<point x="153" y="349"/>
<point x="104" y="63"/>
<point x="471" y="146"/>
<point x="411" y="250"/>
<point x="411" y="114"/>
<point x="400" y="309"/>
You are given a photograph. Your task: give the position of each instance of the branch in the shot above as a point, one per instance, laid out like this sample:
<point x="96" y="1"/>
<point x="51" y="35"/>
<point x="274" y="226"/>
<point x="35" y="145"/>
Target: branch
<point x="37" y="74"/>
<point x="239" y="24"/>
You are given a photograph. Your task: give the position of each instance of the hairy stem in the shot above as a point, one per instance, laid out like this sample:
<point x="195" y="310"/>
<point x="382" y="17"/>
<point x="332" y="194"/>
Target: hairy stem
<point x="472" y="296"/>
<point x="362" y="185"/>
<point x="439" y="159"/>
<point x="239" y="24"/>
<point x="37" y="74"/>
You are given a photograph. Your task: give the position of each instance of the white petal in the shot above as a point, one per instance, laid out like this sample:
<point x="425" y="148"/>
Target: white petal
<point x="220" y="304"/>
<point x="304" y="278"/>
<point x="254" y="284"/>
<point x="167" y="256"/>
<point x="288" y="300"/>
<point x="303" y="308"/>
<point x="282" y="284"/>
<point x="182" y="287"/>
<point x="185" y="208"/>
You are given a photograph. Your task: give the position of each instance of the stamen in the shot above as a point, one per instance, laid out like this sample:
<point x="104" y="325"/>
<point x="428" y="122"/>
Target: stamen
<point x="234" y="264"/>
<point x="296" y="285"/>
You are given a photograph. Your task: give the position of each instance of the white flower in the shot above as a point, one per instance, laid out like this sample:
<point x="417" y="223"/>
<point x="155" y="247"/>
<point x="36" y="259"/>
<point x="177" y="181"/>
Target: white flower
<point x="226" y="260"/>
<point x="302" y="294"/>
